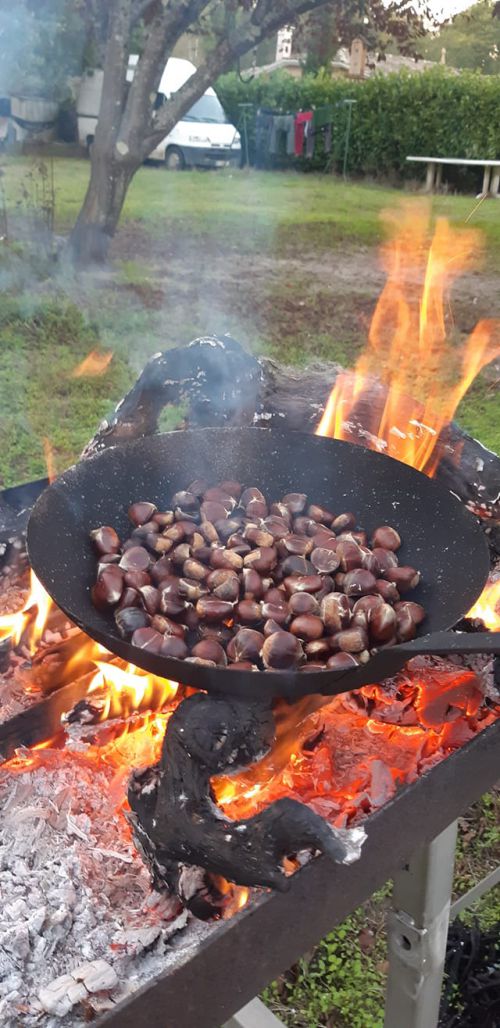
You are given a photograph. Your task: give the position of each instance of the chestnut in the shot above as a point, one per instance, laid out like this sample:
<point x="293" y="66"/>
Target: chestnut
<point x="343" y="522"/>
<point x="190" y="589"/>
<point x="308" y="627"/>
<point x="303" y="603"/>
<point x="295" y="502"/>
<point x="150" y="598"/>
<point x="367" y="603"/>
<point x="194" y="569"/>
<point x="276" y="526"/>
<point x="135" y="559"/>
<point x="147" y="639"/>
<point x="245" y="645"/>
<point x="271" y="626"/>
<point x="141" y="512"/>
<point x="105" y="539"/>
<point x="108" y="589"/>
<point x="385" y="559"/>
<point x="341" y="661"/>
<point x="349" y="554"/>
<point x="351" y="640"/>
<point x="382" y="622"/>
<point x="212" y="609"/>
<point x="335" y="612"/>
<point x="303" y="583"/>
<point x="198" y="487"/>
<point x="163" y="518"/>
<point x="258" y="536"/>
<point x="406" y="628"/>
<point x="263" y="559"/>
<point x="276" y="611"/>
<point x="405" y="578"/>
<point x="209" y="532"/>
<point x="129" y="598"/>
<point x="130" y="619"/>
<point x="166" y="626"/>
<point x="359" y="583"/>
<point x="180" y="554"/>
<point x="209" y="649"/>
<point x="249" y="610"/>
<point x="387" y="590"/>
<point x="317" y="513"/>
<point x="296" y="565"/>
<point x="213" y="511"/>
<point x="282" y="650"/>
<point x="386" y="537"/>
<point x="221" y="558"/>
<point x="171" y="602"/>
<point x="415" y="610"/>
<point x="252" y="493"/>
<point x="173" y="647"/>
<point x="298" y="545"/>
<point x="252" y="584"/>
<point x="257" y="509"/>
<point x="325" y="561"/>
<point x="317" y="649"/>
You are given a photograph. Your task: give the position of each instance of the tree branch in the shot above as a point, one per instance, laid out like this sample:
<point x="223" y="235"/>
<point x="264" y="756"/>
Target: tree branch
<point x="266" y="17"/>
<point x="166" y="27"/>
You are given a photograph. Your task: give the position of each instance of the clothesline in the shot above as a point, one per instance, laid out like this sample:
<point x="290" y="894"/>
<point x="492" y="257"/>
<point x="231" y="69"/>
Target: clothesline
<point x="293" y="133"/>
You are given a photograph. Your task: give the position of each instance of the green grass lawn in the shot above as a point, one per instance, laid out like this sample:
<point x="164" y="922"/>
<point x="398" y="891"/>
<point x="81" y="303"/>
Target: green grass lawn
<point x="322" y="209"/>
<point x="286" y="263"/>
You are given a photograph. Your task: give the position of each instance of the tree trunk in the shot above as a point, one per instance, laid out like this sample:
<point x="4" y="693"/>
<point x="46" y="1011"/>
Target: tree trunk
<point x="100" y="213"/>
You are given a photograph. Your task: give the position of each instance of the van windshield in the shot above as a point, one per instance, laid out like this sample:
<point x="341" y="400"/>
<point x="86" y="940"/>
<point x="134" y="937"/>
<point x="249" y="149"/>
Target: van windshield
<point x="207" y="109"/>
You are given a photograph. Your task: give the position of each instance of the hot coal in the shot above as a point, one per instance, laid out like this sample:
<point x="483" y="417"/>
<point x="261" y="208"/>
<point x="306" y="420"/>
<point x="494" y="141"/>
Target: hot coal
<point x="193" y="581"/>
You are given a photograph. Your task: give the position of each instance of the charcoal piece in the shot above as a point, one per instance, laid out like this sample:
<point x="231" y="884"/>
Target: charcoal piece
<point x="185" y="839"/>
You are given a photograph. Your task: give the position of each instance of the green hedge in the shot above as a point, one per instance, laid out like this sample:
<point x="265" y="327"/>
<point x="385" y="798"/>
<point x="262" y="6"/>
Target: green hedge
<point x="435" y="112"/>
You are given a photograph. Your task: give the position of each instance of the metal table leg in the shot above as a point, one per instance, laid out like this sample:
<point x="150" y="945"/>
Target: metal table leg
<point x="417" y="933"/>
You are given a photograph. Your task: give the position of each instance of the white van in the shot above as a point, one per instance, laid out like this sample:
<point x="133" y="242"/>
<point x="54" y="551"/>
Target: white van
<point x="203" y="137"/>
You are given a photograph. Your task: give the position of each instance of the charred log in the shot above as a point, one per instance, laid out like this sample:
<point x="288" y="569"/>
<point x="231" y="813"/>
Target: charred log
<point x="221" y="384"/>
<point x="186" y="839"/>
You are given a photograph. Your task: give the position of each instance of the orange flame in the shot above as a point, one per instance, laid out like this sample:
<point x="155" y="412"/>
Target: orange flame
<point x="48" y="453"/>
<point x="413" y="373"/>
<point x="35" y="610"/>
<point x="487" y="607"/>
<point x="94" y="364"/>
<point x="129" y="689"/>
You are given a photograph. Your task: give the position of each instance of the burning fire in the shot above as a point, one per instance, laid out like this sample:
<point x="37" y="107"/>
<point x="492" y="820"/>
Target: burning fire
<point x="127" y="690"/>
<point x="487" y="607"/>
<point x="94" y="364"/>
<point x="413" y="373"/>
<point x="33" y="614"/>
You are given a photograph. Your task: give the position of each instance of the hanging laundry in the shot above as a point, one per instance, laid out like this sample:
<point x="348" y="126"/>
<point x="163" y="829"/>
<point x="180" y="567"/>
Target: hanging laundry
<point x="263" y="129"/>
<point x="301" y="120"/>
<point x="322" y="125"/>
<point x="283" y="134"/>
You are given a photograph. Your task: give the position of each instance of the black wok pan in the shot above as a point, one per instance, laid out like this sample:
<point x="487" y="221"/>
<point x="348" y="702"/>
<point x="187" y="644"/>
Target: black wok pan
<point x="440" y="538"/>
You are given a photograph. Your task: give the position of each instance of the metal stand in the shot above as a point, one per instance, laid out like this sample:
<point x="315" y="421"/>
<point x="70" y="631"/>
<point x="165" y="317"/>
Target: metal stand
<point x="254" y="1015"/>
<point x="417" y="933"/>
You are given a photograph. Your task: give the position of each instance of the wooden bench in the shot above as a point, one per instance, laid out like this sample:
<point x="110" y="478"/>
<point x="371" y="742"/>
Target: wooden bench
<point x="491" y="176"/>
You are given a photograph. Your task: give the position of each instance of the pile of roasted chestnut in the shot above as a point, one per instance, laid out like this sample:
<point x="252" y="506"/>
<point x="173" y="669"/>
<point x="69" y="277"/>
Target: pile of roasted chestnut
<point x="224" y="577"/>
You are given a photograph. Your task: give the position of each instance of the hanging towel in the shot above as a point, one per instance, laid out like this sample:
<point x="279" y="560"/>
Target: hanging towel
<point x="301" y="120"/>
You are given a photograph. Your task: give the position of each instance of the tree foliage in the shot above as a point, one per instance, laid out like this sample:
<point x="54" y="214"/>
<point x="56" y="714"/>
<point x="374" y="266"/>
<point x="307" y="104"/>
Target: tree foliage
<point x="471" y="39"/>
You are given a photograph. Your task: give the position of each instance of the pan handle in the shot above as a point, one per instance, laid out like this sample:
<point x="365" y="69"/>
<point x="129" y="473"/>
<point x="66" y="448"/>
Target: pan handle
<point x="442" y="643"/>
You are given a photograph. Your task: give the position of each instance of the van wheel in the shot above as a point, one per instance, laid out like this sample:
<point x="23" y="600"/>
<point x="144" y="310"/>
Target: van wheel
<point x="174" y="159"/>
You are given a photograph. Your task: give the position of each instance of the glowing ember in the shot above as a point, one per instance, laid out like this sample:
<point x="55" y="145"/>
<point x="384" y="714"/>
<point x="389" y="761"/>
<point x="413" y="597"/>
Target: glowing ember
<point x="487" y="607"/>
<point x="94" y="364"/>
<point x="414" y="372"/>
<point x="33" y="614"/>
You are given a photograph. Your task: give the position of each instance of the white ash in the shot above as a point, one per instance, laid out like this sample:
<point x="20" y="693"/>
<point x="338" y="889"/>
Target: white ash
<point x="77" y="904"/>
